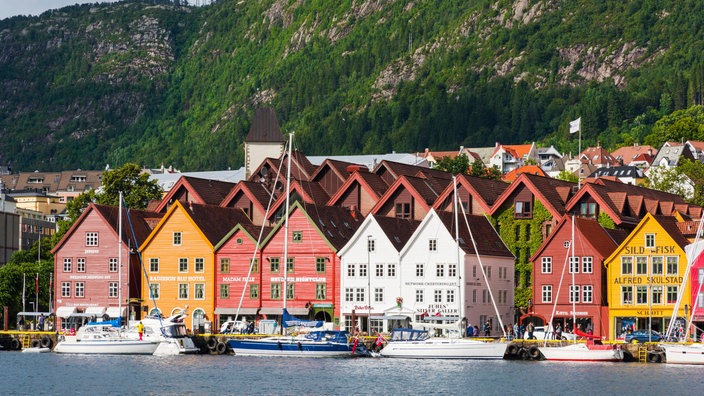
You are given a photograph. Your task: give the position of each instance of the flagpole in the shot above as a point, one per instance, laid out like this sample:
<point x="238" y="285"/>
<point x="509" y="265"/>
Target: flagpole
<point x="576" y="126"/>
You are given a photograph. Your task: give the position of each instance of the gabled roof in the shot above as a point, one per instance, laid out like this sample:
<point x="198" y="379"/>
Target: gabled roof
<point x="618" y="172"/>
<point x="256" y="192"/>
<point x="141" y="222"/>
<point x="628" y="154"/>
<point x="251" y="231"/>
<point x="341" y="169"/>
<point x="598" y="156"/>
<point x="671" y="153"/>
<point x="487" y="241"/>
<point x="311" y="193"/>
<point x="201" y="191"/>
<point x="265" y="128"/>
<point x="667" y="223"/>
<point x="397" y="230"/>
<point x="421" y="190"/>
<point x="370" y="182"/>
<point x="533" y="169"/>
<point x="485" y="191"/>
<point x="552" y="193"/>
<point x="398" y="169"/>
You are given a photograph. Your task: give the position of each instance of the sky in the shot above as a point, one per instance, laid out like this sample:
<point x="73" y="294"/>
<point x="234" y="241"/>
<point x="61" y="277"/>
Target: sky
<point x="10" y="8"/>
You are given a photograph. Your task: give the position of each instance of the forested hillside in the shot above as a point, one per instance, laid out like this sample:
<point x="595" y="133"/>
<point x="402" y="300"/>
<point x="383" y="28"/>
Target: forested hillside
<point x="151" y="82"/>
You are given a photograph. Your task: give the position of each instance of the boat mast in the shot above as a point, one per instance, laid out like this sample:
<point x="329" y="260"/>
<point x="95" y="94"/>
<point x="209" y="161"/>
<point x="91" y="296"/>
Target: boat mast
<point x="573" y="270"/>
<point x="288" y="186"/>
<point x="460" y="263"/>
<point x="119" y="258"/>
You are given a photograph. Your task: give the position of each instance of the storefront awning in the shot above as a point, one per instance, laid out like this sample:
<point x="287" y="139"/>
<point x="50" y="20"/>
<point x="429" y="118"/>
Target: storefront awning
<point x="436" y="318"/>
<point x="65" y="312"/>
<point x="279" y="311"/>
<point x="97" y="311"/>
<point x="114" y="312"/>
<point x="233" y="311"/>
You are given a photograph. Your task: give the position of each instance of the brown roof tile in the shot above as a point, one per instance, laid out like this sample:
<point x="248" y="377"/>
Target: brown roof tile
<point x="215" y="221"/>
<point x="265" y="128"/>
<point x="398" y="231"/>
<point x="487" y="240"/>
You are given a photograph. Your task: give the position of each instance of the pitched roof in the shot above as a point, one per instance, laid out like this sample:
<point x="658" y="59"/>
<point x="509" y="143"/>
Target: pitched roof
<point x="598" y="156"/>
<point x="265" y="127"/>
<point x="398" y="231"/>
<point x="215" y="221"/>
<point x="533" y="169"/>
<point x="202" y="191"/>
<point x="336" y="224"/>
<point x="483" y="190"/>
<point x="486" y="239"/>
<point x="628" y="154"/>
<point x="552" y="193"/>
<point x="370" y="182"/>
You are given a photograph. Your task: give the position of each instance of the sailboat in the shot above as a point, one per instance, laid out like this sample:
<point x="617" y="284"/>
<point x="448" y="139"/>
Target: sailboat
<point x="320" y="343"/>
<point x="416" y="342"/>
<point x="592" y="350"/>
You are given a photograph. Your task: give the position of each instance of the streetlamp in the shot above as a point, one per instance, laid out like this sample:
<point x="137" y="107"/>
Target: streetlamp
<point x="369" y="284"/>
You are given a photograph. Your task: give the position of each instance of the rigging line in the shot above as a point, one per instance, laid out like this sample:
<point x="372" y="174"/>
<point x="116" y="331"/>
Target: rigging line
<point x="259" y="240"/>
<point x="557" y="294"/>
<point x="481" y="267"/>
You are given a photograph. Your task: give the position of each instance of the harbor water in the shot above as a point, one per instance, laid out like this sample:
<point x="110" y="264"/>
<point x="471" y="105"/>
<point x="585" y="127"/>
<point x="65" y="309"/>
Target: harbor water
<point x="53" y="374"/>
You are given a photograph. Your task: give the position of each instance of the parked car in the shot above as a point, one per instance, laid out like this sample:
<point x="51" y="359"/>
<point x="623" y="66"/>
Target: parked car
<point x="539" y="334"/>
<point x="642" y="336"/>
<point x="232" y="326"/>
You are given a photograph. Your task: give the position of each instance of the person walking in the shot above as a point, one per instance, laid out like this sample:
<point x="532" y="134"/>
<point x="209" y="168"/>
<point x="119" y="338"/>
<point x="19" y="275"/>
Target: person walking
<point x="530" y="329"/>
<point x="140" y="330"/>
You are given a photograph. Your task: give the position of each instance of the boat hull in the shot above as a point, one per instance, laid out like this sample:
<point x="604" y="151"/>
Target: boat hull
<point x="289" y="347"/>
<point x="684" y="354"/>
<point x="582" y="353"/>
<point x="126" y="347"/>
<point x="444" y="348"/>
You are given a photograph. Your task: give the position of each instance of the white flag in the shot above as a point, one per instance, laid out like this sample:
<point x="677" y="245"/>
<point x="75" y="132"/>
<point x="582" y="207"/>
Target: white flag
<point x="576" y="125"/>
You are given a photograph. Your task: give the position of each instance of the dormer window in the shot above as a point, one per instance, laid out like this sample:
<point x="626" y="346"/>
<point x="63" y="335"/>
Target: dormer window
<point x="403" y="210"/>
<point x="522" y="209"/>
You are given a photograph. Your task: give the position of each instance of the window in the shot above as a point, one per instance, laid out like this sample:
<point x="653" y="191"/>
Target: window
<point x="649" y="240"/>
<point x="574" y="264"/>
<point x="672" y="265"/>
<point x="224" y="291"/>
<point x="290" y="264"/>
<point x="587" y="264"/>
<point x="154" y="290"/>
<point x="546" y="265"/>
<point x="112" y="264"/>
<point x="199" y="291"/>
<point x="224" y="265"/>
<point x="657" y="264"/>
<point x="183" y="291"/>
<point x="522" y="209"/>
<point x="363" y="270"/>
<point x="177" y="238"/>
<point x="255" y="266"/>
<point x="391" y="270"/>
<point x="67" y="264"/>
<point x="154" y="265"/>
<point x="378" y="294"/>
<point x="574" y="293"/>
<point x="626" y="295"/>
<point x="437" y="296"/>
<point x="403" y="210"/>
<point x="626" y="265"/>
<point x="439" y="270"/>
<point x="587" y="209"/>
<point x="290" y="291"/>
<point x="80" y="289"/>
<point x="671" y="294"/>
<point x="641" y="294"/>
<point x="359" y="294"/>
<point x="320" y="291"/>
<point x="433" y="245"/>
<point x="349" y="294"/>
<point x="254" y="291"/>
<point x="420" y="270"/>
<point x="657" y="295"/>
<point x="641" y="265"/>
<point x="474" y="296"/>
<point x="419" y="295"/>
<point x="379" y="270"/>
<point x="91" y="239"/>
<point x="297" y="236"/>
<point x="351" y="270"/>
<point x="65" y="289"/>
<point x="276" y="291"/>
<point x="547" y="293"/>
<point x="450" y="296"/>
<point x="274" y="265"/>
<point x="371" y="245"/>
<point x="488" y="272"/>
<point x="182" y="264"/>
<point x="452" y="270"/>
<point x="320" y="264"/>
<point x="587" y="293"/>
<point x="199" y="264"/>
<point x="112" y="290"/>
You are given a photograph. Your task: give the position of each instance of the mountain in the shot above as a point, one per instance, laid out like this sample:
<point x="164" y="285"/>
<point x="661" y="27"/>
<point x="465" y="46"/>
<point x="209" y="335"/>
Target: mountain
<point x="152" y="82"/>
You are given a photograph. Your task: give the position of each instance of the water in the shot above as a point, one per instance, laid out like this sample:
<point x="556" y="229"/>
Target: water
<point x="53" y="374"/>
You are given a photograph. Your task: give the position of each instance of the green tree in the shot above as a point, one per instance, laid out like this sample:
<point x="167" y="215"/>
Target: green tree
<point x="457" y="165"/>
<point x="567" y="176"/>
<point x="670" y="180"/>
<point x="694" y="170"/>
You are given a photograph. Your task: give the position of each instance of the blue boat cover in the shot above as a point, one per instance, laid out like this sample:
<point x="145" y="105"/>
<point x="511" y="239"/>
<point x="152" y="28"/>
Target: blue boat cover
<point x="114" y="323"/>
<point x="289" y="320"/>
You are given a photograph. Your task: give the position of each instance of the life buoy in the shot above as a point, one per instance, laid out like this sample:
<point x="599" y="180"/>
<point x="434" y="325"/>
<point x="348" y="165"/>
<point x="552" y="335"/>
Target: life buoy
<point x="47" y="342"/>
<point x="534" y="352"/>
<point x="512" y="350"/>
<point x="212" y="343"/>
<point x="36" y="343"/>
<point x="72" y="332"/>
<point x="221" y="348"/>
<point x="15" y="344"/>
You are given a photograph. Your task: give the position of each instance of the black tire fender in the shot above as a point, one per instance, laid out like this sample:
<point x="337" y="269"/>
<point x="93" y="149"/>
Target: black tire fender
<point x="36" y="343"/>
<point x="47" y="342"/>
<point x="523" y="354"/>
<point x="534" y="352"/>
<point x="212" y="343"/>
<point x="15" y="344"/>
<point x="512" y="350"/>
<point x="221" y="348"/>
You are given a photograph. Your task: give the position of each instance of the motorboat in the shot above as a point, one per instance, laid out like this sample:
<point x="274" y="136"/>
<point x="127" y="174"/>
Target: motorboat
<point x="683" y="353"/>
<point x="418" y="344"/>
<point x="104" y="338"/>
<point x="171" y="332"/>
<point x="319" y="343"/>
<point x="591" y="351"/>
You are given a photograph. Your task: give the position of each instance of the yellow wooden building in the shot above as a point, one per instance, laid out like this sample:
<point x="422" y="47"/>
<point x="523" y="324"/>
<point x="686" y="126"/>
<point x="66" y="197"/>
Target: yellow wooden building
<point x="178" y="258"/>
<point x="644" y="276"/>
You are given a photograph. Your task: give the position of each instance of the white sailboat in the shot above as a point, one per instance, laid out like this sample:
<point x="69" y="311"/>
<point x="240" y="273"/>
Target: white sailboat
<point x="324" y="343"/>
<point x="419" y="344"/>
<point x="591" y="351"/>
